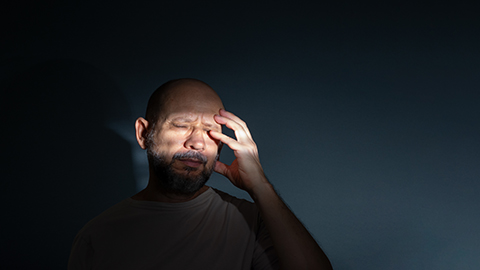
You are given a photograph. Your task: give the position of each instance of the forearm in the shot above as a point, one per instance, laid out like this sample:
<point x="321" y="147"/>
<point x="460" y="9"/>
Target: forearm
<point x="294" y="245"/>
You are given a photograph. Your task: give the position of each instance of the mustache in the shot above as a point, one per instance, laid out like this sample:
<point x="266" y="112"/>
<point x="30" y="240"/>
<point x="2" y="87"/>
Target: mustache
<point x="191" y="155"/>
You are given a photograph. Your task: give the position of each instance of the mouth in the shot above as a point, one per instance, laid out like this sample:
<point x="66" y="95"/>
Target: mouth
<point x="194" y="163"/>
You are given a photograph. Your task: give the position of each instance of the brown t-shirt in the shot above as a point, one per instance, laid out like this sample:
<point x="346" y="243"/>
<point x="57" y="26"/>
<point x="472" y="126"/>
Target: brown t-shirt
<point x="212" y="231"/>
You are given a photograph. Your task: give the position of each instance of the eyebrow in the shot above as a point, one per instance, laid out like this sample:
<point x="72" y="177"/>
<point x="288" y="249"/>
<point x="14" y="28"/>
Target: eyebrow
<point x="208" y="125"/>
<point x="186" y="119"/>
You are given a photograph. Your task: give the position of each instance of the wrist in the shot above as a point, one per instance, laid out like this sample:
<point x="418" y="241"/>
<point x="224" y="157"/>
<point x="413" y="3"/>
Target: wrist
<point x="261" y="190"/>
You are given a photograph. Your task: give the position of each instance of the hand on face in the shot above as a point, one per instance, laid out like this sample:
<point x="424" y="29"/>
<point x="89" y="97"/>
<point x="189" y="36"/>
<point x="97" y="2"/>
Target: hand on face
<point x="245" y="172"/>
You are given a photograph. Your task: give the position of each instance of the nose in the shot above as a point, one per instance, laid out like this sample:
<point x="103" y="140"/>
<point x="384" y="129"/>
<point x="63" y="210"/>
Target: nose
<point x="196" y="140"/>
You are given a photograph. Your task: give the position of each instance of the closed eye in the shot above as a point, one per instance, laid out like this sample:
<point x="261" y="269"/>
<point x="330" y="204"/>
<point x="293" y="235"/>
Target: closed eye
<point x="179" y="126"/>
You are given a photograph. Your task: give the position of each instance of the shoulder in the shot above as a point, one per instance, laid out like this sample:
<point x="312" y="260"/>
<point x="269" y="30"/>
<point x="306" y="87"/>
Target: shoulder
<point x="112" y="213"/>
<point x="229" y="199"/>
<point x="246" y="208"/>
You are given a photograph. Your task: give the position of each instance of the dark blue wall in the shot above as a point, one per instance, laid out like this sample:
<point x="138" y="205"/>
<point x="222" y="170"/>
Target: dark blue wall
<point x="366" y="116"/>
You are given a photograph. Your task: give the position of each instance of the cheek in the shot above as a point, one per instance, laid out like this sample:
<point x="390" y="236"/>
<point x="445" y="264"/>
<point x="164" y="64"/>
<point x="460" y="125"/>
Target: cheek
<point x="213" y="146"/>
<point x="169" y="142"/>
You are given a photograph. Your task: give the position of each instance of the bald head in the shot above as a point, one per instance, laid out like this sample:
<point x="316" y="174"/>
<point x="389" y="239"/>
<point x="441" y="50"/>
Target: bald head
<point x="176" y="132"/>
<point x="187" y="95"/>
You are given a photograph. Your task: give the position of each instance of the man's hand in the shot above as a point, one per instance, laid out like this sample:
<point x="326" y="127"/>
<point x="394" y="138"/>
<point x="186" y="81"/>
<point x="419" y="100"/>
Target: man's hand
<point x="245" y="172"/>
<point x="295" y="247"/>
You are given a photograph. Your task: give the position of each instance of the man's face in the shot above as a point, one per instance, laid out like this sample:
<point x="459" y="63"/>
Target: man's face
<point x="179" y="148"/>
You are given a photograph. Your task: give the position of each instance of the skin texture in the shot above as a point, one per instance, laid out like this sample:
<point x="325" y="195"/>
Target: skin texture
<point x="185" y="119"/>
<point x="191" y="119"/>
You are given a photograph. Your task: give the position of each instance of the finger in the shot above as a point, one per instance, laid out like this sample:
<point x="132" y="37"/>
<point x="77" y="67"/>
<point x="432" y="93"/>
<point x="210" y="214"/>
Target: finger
<point x="232" y="116"/>
<point x="221" y="168"/>
<point x="240" y="132"/>
<point x="237" y="119"/>
<point x="231" y="142"/>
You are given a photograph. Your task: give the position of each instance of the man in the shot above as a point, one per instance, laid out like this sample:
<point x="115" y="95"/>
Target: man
<point x="177" y="222"/>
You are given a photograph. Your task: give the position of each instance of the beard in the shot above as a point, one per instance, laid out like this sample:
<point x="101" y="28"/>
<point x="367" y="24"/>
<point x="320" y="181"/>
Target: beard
<point x="188" y="182"/>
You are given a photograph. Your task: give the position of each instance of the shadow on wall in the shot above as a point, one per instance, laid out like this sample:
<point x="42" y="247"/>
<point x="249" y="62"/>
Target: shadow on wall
<point x="61" y="166"/>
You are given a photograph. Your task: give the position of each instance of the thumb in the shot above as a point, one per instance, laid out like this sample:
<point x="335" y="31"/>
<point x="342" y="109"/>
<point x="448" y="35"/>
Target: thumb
<point x="221" y="168"/>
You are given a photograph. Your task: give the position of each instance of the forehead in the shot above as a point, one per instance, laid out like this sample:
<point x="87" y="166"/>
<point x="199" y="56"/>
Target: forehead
<point x="191" y="103"/>
<point x="205" y="119"/>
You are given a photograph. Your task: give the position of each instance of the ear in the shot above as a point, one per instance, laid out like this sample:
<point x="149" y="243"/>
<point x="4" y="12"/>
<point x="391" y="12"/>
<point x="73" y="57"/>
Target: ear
<point x="141" y="128"/>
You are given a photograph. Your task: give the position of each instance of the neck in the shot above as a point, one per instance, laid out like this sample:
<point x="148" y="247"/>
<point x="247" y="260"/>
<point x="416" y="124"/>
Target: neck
<point x="154" y="192"/>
